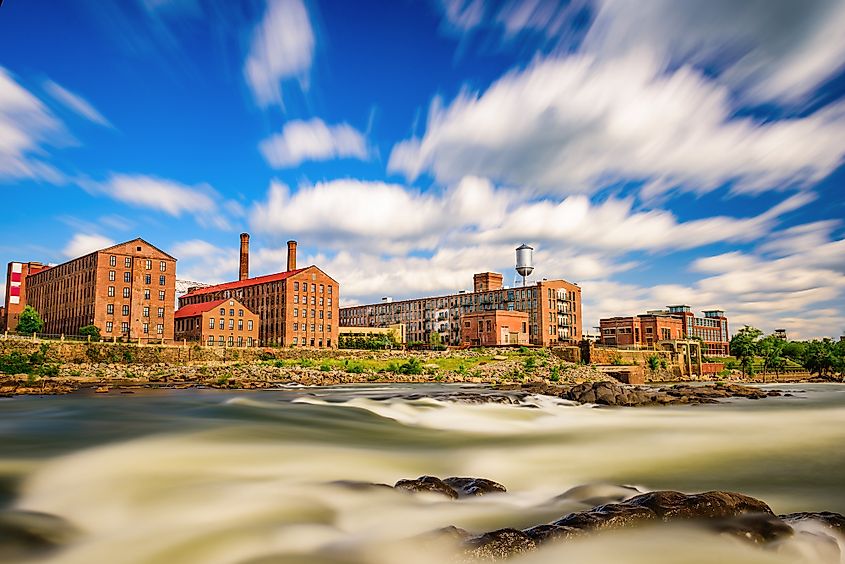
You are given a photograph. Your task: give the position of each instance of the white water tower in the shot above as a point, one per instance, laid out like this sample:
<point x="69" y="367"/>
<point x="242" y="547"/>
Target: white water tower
<point x="524" y="261"/>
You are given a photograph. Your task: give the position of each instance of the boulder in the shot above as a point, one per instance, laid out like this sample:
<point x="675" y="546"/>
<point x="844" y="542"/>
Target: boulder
<point x="427" y="484"/>
<point x="499" y="545"/>
<point x="469" y="487"/>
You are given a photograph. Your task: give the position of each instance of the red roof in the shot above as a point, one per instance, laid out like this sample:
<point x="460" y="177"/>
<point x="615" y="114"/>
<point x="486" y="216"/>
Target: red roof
<point x="194" y="310"/>
<point x="245" y="283"/>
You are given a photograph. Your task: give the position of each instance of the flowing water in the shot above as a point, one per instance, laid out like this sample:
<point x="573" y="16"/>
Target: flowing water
<point x="208" y="476"/>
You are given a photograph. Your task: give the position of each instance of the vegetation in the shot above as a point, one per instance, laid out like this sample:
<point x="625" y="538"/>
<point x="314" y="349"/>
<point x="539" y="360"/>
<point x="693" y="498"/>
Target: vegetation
<point x="744" y="347"/>
<point x="36" y="363"/>
<point x="411" y="366"/>
<point x="824" y="357"/>
<point x="368" y="342"/>
<point x="30" y="321"/>
<point x="653" y="362"/>
<point x="90" y="331"/>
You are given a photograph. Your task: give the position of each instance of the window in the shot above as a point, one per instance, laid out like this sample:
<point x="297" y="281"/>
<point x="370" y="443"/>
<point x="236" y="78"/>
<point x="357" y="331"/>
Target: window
<point x="240" y="313"/>
<point x="162" y="266"/>
<point x="211" y="323"/>
<point x="321" y="314"/>
<point x="296" y="312"/>
<point x="146" y="311"/>
<point x="294" y="340"/>
<point x="329" y="301"/>
<point x="126" y="310"/>
<point x="240" y="325"/>
<point x="320" y="328"/>
<point x="330" y="289"/>
<point x="127" y="277"/>
<point x="329" y="329"/>
<point x="146" y="293"/>
<point x="111" y="291"/>
<point x="112" y="260"/>
<point x="296" y="286"/>
<point x="222" y="324"/>
<point x="220" y="340"/>
<point x="161" y="280"/>
<point x="231" y="340"/>
<point x="249" y="341"/>
<point x="322" y="288"/>
<point x="240" y="341"/>
<point x="111" y="275"/>
<point x="148" y="279"/>
<point x="249" y="325"/>
<point x="146" y="328"/>
<point x="161" y="312"/>
<point x="211" y="340"/>
<point x="127" y="262"/>
<point x="160" y="329"/>
<point x="125" y="292"/>
<point x="330" y="314"/>
<point x="124" y="327"/>
<point x="312" y="327"/>
<point x="296" y="298"/>
<point x="321" y="301"/>
<point x="161" y="295"/>
<point x="148" y="264"/>
<point x="232" y="312"/>
<point x="313" y="301"/>
<point x="231" y="324"/>
<point x="313" y="287"/>
<point x="313" y="313"/>
<point x="222" y="311"/>
<point x="109" y="326"/>
<point x="110" y="309"/>
<point x="296" y="326"/>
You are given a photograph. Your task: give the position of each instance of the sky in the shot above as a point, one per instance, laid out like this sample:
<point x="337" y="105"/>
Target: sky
<point x="655" y="153"/>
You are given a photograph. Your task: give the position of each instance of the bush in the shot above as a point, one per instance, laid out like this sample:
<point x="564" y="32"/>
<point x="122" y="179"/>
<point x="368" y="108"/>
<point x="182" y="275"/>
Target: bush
<point x="266" y="355"/>
<point x="554" y="375"/>
<point x="30" y="322"/>
<point x="325" y="367"/>
<point x="279" y="364"/>
<point x="90" y="331"/>
<point x="15" y="363"/>
<point x="530" y="364"/>
<point x="411" y="366"/>
<point x="306" y="362"/>
<point x="524" y="350"/>
<point x="653" y="362"/>
<point x="355" y="368"/>
<point x="49" y="370"/>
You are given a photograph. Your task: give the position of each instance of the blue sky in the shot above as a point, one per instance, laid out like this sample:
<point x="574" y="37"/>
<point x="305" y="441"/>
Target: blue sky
<point x="662" y="153"/>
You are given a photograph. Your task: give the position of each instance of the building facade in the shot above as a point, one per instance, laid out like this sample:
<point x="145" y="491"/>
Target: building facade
<point x="553" y="308"/>
<point x="298" y="307"/>
<point x="494" y="328"/>
<point x="16" y="282"/>
<point x="673" y="323"/>
<point x="220" y="323"/>
<point x="641" y="330"/>
<point x="127" y="291"/>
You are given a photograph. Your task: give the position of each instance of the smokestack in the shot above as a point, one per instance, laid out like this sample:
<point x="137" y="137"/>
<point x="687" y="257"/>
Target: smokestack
<point x="243" y="272"/>
<point x="291" y="255"/>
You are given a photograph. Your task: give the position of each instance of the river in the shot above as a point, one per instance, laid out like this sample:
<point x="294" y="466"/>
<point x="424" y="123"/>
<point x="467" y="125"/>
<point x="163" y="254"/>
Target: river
<point x="211" y="476"/>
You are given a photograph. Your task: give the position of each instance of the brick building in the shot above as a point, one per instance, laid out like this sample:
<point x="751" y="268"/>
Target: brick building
<point x="675" y="322"/>
<point x="16" y="282"/>
<point x="297" y="307"/>
<point x="553" y="308"/>
<point x="494" y="328"/>
<point x="127" y="291"/>
<point x="643" y="330"/>
<point x="219" y="323"/>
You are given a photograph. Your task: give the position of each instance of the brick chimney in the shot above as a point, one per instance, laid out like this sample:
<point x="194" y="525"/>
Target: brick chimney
<point x="291" y="255"/>
<point x="243" y="272"/>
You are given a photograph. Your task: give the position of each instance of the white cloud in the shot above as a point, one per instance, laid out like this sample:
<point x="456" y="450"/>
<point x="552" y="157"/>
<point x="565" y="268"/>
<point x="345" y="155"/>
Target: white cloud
<point x="577" y="124"/>
<point x="462" y="15"/>
<point x="282" y="47"/>
<point x="168" y="196"/>
<point x="76" y="103"/>
<point x="204" y="262"/>
<point x="312" y="140"/>
<point x="26" y="125"/>
<point x="84" y="243"/>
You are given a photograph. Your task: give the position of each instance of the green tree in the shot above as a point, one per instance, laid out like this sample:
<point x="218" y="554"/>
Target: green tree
<point x="820" y="357"/>
<point x="90" y="330"/>
<point x="30" y="322"/>
<point x="744" y="347"/>
<point x="770" y="350"/>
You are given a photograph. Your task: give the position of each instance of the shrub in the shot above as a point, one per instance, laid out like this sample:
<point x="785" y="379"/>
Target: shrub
<point x="325" y="367"/>
<point x="653" y="362"/>
<point x="48" y="370"/>
<point x="530" y="364"/>
<point x="15" y="363"/>
<point x="266" y="355"/>
<point x="306" y="362"/>
<point x="554" y="375"/>
<point x="524" y="350"/>
<point x="355" y="368"/>
<point x="90" y="331"/>
<point x="279" y="363"/>
<point x="29" y="321"/>
<point x="462" y="369"/>
<point x="411" y="366"/>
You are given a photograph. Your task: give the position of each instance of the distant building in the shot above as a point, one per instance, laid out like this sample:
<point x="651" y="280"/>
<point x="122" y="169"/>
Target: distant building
<point x="663" y="325"/>
<point x="16" y="282"/>
<point x="494" y="328"/>
<point x="219" y="323"/>
<point x="780" y="334"/>
<point x="553" y="308"/>
<point x="127" y="291"/>
<point x="297" y="307"/>
<point x="395" y="332"/>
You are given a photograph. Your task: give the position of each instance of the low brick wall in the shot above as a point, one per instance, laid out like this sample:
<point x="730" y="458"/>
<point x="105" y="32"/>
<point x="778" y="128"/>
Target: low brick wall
<point x="569" y="354"/>
<point x="708" y="368"/>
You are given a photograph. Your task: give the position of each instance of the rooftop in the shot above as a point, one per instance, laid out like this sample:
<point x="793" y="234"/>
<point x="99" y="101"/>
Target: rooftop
<point x="277" y="277"/>
<point x="194" y="310"/>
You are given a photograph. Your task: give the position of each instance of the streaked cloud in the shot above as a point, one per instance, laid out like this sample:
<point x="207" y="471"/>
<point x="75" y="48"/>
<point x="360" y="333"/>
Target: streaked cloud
<point x="84" y="243"/>
<point x="312" y="140"/>
<point x="76" y="103"/>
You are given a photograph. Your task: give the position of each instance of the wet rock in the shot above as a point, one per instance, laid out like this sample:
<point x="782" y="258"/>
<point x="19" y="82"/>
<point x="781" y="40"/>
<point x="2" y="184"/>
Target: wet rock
<point x="832" y="521"/>
<point x="469" y="487"/>
<point x="608" y="516"/>
<point x="758" y="528"/>
<point x="550" y="532"/>
<point x="670" y="505"/>
<point x="500" y="544"/>
<point x="427" y="484"/>
<point x="27" y="534"/>
<point x="597" y="494"/>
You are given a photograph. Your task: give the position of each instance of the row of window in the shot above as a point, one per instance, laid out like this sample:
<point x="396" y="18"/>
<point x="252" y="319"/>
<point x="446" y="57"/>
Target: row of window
<point x="125" y="310"/>
<point x="124" y="328"/>
<point x="296" y="327"/>
<point x="313" y="288"/>
<point x="127" y="277"/>
<point x="127" y="292"/>
<point x="313" y="313"/>
<point x="222" y="324"/>
<point x="148" y="264"/>
<point x="232" y="311"/>
<point x="313" y="300"/>
<point x="304" y="342"/>
<point x="222" y="341"/>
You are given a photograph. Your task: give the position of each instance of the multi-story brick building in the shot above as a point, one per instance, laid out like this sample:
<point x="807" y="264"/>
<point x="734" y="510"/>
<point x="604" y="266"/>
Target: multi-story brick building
<point x="16" y="276"/>
<point x="644" y="330"/>
<point x="553" y="308"/>
<point x="127" y="291"/>
<point x="673" y="323"/>
<point x="222" y="323"/>
<point x="297" y="307"/>
<point x="494" y="328"/>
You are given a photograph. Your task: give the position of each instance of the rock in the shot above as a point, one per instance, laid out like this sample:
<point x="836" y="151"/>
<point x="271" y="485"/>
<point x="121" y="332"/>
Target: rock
<point x="358" y="486"/>
<point x="27" y="534"/>
<point x="550" y="532"/>
<point x="427" y="484"/>
<point x="597" y="494"/>
<point x="832" y="521"/>
<point x="102" y="389"/>
<point x="671" y="505"/>
<point x="468" y="487"/>
<point x="499" y="545"/>
<point x="608" y="516"/>
<point x="758" y="528"/>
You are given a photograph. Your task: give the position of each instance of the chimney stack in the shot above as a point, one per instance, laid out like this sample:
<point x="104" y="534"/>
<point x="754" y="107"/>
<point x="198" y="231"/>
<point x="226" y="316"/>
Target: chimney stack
<point x="243" y="272"/>
<point x="291" y="255"/>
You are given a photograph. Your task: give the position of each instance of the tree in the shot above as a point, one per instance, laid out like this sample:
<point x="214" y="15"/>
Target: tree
<point x="744" y="348"/>
<point x="770" y="350"/>
<point x="30" y="321"/>
<point x="90" y="331"/>
<point x="819" y="357"/>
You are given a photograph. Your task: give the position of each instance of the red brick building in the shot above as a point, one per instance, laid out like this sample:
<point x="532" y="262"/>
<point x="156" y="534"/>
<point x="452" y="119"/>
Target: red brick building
<point x="297" y="307"/>
<point x="127" y="291"/>
<point x="712" y="329"/>
<point x="553" y="308"/>
<point x="643" y="330"/>
<point x="16" y="282"/>
<point x="494" y="328"/>
<point x="221" y="323"/>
